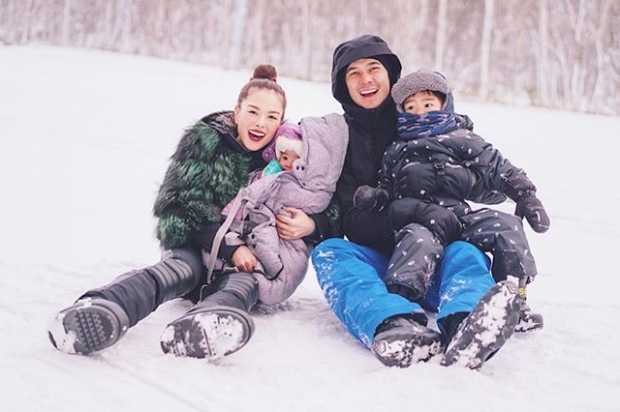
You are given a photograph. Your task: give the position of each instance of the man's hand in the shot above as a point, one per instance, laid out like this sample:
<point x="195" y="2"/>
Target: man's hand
<point x="295" y="226"/>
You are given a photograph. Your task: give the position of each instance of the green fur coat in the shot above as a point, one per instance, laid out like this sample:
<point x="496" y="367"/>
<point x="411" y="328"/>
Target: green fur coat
<point x="206" y="171"/>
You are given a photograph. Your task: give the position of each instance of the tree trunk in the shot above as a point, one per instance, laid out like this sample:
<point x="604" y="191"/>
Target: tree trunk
<point x="237" y="36"/>
<point x="442" y="26"/>
<point x="485" y="49"/>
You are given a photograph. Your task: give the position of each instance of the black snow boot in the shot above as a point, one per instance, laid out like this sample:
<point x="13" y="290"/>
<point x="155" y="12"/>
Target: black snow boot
<point x="87" y="326"/>
<point x="404" y="339"/>
<point x="528" y="321"/>
<point x="102" y="316"/>
<point x="219" y="324"/>
<point x="485" y="329"/>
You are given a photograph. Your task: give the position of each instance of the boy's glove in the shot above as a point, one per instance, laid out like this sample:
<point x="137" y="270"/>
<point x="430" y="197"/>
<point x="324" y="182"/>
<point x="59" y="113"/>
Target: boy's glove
<point x="370" y="198"/>
<point x="521" y="189"/>
<point x="441" y="221"/>
<point x="532" y="209"/>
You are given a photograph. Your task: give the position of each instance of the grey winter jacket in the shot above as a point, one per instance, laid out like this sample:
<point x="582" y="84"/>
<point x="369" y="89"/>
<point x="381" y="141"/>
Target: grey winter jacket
<point x="309" y="186"/>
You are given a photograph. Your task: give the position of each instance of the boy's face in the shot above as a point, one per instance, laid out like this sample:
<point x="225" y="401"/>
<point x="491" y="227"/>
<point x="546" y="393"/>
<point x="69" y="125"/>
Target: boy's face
<point x="422" y="102"/>
<point x="287" y="158"/>
<point x="368" y="83"/>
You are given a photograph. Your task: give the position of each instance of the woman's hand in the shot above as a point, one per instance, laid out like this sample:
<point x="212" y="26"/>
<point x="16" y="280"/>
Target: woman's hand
<point x="297" y="226"/>
<point x="244" y="260"/>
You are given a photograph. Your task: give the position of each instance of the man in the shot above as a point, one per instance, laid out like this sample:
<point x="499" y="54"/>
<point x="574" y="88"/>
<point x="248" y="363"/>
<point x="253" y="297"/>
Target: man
<point x="350" y="271"/>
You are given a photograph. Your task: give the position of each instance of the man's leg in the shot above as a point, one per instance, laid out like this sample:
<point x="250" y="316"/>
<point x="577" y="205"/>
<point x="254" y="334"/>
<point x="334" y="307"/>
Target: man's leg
<point x="476" y="315"/>
<point x="461" y="280"/>
<point x="393" y="327"/>
<point x="349" y="275"/>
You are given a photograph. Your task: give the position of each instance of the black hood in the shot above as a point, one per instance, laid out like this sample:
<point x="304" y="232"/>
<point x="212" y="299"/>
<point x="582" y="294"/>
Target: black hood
<point x="362" y="47"/>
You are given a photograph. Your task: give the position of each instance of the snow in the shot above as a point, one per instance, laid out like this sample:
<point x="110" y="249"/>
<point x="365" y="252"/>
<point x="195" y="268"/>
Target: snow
<point x="84" y="142"/>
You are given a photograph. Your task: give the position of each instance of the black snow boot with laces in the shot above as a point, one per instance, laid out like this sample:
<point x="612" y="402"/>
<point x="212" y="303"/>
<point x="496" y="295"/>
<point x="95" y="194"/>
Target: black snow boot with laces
<point x="404" y="339"/>
<point x="485" y="330"/>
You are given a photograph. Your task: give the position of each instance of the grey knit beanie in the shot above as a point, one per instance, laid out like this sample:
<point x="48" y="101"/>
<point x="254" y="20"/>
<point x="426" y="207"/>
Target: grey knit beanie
<point x="416" y="82"/>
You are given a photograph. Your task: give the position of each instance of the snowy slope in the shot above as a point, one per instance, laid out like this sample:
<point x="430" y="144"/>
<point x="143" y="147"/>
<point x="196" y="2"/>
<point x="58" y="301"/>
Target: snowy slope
<point x="84" y="142"/>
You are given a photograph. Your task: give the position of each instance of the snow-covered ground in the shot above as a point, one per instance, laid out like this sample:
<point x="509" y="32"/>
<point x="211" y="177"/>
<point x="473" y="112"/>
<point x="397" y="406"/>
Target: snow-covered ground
<point x="84" y="142"/>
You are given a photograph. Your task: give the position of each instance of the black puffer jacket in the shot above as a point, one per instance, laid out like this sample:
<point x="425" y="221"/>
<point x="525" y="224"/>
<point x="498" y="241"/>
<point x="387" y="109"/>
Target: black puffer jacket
<point x="447" y="169"/>
<point x="370" y="133"/>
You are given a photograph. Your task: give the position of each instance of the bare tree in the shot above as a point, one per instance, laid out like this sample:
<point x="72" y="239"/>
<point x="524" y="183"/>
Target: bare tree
<point x="560" y="53"/>
<point x="440" y="45"/>
<point x="238" y="29"/>
<point x="543" y="52"/>
<point x="485" y="48"/>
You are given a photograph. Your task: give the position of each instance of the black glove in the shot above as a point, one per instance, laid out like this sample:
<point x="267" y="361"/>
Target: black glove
<point x="441" y="221"/>
<point x="416" y="181"/>
<point x="532" y="209"/>
<point x="370" y="198"/>
<point x="521" y="189"/>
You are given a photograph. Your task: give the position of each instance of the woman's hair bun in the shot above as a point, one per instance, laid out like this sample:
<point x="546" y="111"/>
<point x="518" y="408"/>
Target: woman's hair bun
<point x="265" y="71"/>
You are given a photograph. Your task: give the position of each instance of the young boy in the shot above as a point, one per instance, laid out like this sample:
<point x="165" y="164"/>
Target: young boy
<point x="459" y="166"/>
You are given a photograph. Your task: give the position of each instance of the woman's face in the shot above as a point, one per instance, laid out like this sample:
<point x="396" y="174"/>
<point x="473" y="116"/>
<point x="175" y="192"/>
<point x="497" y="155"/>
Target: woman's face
<point x="258" y="117"/>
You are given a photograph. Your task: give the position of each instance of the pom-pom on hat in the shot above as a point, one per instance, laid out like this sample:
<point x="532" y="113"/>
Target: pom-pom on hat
<point x="416" y="82"/>
<point x="287" y="137"/>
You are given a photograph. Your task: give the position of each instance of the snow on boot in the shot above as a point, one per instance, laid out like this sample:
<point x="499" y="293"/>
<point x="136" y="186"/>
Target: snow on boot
<point x="89" y="325"/>
<point x="209" y="333"/>
<point x="485" y="329"/>
<point x="528" y="321"/>
<point x="400" y="341"/>
<point x="219" y="325"/>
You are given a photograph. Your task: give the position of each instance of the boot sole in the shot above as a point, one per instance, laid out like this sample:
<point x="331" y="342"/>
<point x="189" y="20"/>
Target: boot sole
<point x="210" y="334"/>
<point x="85" y="328"/>
<point x="485" y="330"/>
<point x="531" y="325"/>
<point x="402" y="350"/>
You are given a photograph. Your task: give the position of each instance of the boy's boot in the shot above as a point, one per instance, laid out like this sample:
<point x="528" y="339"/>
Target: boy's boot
<point x="219" y="324"/>
<point x="404" y="339"/>
<point x="528" y="320"/>
<point x="87" y="326"/>
<point x="102" y="316"/>
<point x="485" y="329"/>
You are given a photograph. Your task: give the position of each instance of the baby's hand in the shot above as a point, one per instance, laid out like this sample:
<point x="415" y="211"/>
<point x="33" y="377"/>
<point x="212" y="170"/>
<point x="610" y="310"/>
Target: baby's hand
<point x="244" y="260"/>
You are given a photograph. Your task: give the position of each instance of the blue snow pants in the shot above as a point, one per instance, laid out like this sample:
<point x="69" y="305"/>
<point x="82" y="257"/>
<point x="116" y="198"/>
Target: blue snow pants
<point x="350" y="276"/>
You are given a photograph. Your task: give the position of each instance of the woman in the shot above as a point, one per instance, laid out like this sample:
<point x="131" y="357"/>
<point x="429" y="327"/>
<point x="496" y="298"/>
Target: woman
<point x="211" y="164"/>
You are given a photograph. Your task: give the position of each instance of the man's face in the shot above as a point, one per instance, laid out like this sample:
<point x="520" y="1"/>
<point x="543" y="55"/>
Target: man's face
<point x="368" y="83"/>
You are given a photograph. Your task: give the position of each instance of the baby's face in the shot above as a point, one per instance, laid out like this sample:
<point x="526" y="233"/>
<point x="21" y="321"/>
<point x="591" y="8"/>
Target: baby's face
<point x="421" y="102"/>
<point x="287" y="158"/>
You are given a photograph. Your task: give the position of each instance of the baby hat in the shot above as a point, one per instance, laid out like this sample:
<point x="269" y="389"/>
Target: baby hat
<point x="288" y="137"/>
<point x="286" y="131"/>
<point x="416" y="82"/>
